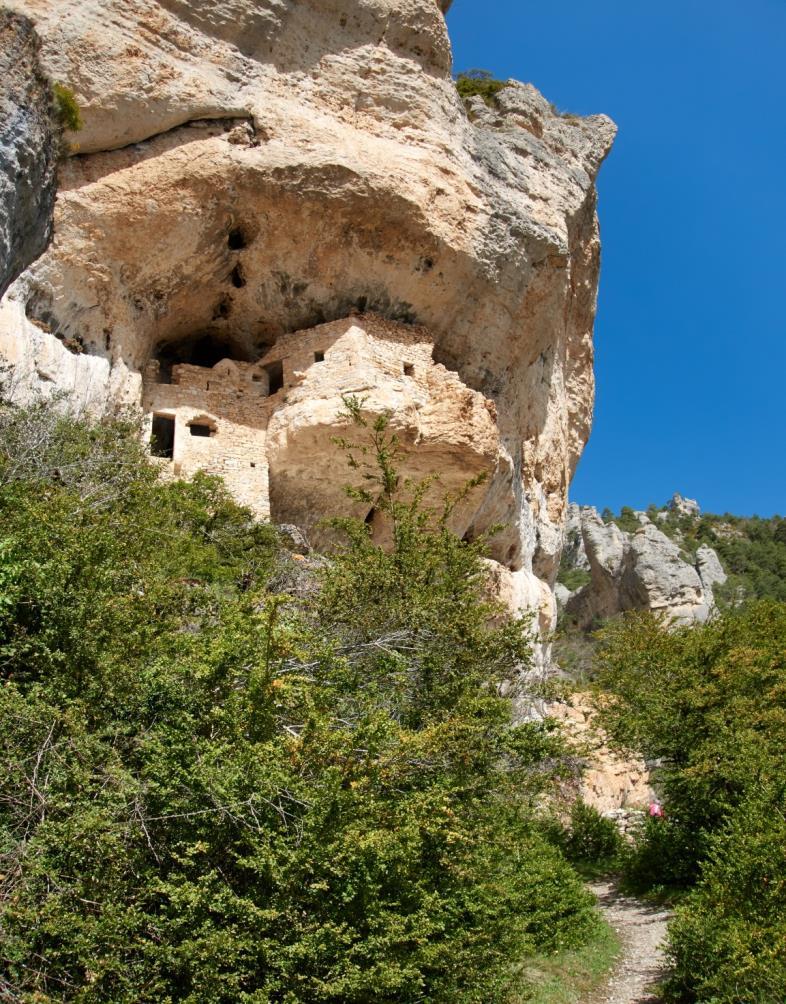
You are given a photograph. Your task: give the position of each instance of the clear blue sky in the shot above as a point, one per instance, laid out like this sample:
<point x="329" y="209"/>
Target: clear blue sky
<point x="691" y="330"/>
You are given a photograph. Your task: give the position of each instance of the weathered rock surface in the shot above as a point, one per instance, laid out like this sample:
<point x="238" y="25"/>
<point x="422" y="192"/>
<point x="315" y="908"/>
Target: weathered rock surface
<point x="643" y="570"/>
<point x="605" y="780"/>
<point x="28" y="149"/>
<point x="710" y="571"/>
<point x="250" y="170"/>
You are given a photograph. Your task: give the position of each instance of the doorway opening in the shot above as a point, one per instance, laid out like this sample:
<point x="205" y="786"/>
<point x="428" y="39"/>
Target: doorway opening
<point x="275" y="376"/>
<point x="162" y="437"/>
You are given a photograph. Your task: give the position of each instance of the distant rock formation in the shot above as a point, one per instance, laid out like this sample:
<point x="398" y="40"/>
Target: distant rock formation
<point x="683" y="506"/>
<point x="639" y="570"/>
<point x="28" y="149"/>
<point x="251" y="171"/>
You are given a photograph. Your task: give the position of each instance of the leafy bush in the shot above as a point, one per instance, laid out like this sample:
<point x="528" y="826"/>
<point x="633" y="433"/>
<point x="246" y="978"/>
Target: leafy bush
<point x="661" y="859"/>
<point x="480" y="83"/>
<point x="67" y="108"/>
<point x="212" y="792"/>
<point x="726" y="942"/>
<point x="709" y="704"/>
<point x="590" y="838"/>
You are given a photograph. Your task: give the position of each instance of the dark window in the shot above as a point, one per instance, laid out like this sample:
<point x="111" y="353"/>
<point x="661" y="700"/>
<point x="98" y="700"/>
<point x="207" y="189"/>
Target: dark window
<point x="196" y="429"/>
<point x="257" y="377"/>
<point x="162" y="440"/>
<point x="319" y="357"/>
<point x="275" y="376"/>
<point x="409" y="369"/>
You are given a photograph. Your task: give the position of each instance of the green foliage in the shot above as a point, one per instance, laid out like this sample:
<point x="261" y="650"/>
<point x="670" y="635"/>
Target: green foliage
<point x="590" y="839"/>
<point x="726" y="942"/>
<point x="573" y="578"/>
<point x="709" y="704"/>
<point x="479" y="83"/>
<point x="661" y="859"/>
<point x="212" y="792"/>
<point x="67" y="108"/>
<point x="627" y="520"/>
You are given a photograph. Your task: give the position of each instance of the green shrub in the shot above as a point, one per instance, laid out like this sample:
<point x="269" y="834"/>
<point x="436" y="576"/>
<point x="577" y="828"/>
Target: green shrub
<point x="709" y="703"/>
<point x="480" y="83"/>
<point x="591" y="838"/>
<point x="211" y="792"/>
<point x="67" y="108"/>
<point x="662" y="858"/>
<point x="573" y="578"/>
<point x="727" y="940"/>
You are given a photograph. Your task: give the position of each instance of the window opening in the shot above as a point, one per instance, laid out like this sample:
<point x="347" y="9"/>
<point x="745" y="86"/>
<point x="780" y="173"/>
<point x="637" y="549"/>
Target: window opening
<point x="409" y="369"/>
<point x="319" y="357"/>
<point x="162" y="438"/>
<point x="198" y="429"/>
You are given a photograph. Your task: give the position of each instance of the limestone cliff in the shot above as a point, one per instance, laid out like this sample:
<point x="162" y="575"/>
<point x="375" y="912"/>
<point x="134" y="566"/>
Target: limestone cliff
<point x="253" y="173"/>
<point x="641" y="569"/>
<point x="28" y="149"/>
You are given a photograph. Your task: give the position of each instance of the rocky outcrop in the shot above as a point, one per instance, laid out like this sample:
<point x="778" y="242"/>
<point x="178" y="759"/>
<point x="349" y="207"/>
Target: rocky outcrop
<point x="682" y="506"/>
<point x="640" y="570"/>
<point x="28" y="149"/>
<point x="252" y="170"/>
<point x="710" y="572"/>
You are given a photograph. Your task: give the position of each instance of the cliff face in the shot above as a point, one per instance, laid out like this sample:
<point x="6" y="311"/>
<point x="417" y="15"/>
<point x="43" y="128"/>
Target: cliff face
<point x="640" y="570"/>
<point x="251" y="170"/>
<point x="28" y="149"/>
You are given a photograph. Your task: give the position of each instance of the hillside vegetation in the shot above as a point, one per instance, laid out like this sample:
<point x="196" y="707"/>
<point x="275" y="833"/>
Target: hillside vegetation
<point x="231" y="774"/>
<point x="707" y="703"/>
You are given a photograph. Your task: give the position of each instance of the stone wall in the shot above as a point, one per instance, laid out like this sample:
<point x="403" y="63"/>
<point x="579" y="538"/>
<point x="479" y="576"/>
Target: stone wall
<point x="276" y="451"/>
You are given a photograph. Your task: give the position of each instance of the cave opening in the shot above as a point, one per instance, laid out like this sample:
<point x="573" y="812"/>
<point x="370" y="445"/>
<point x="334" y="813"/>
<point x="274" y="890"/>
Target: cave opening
<point x="236" y="239"/>
<point x="204" y="349"/>
<point x="200" y="430"/>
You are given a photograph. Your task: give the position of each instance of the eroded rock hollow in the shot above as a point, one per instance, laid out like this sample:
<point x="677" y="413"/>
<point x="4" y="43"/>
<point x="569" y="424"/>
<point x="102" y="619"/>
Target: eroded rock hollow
<point x="273" y="203"/>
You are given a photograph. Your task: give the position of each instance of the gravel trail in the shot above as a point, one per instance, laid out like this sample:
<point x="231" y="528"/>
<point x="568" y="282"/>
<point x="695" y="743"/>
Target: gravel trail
<point x="642" y="930"/>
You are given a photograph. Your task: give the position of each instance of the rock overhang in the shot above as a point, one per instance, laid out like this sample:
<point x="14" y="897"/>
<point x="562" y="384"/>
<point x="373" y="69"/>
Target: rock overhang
<point x="323" y="166"/>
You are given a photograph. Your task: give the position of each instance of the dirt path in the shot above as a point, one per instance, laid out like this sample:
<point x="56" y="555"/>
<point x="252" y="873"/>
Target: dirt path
<point x="642" y="929"/>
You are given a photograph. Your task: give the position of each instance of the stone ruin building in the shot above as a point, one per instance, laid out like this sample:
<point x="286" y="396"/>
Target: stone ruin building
<point x="267" y="427"/>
